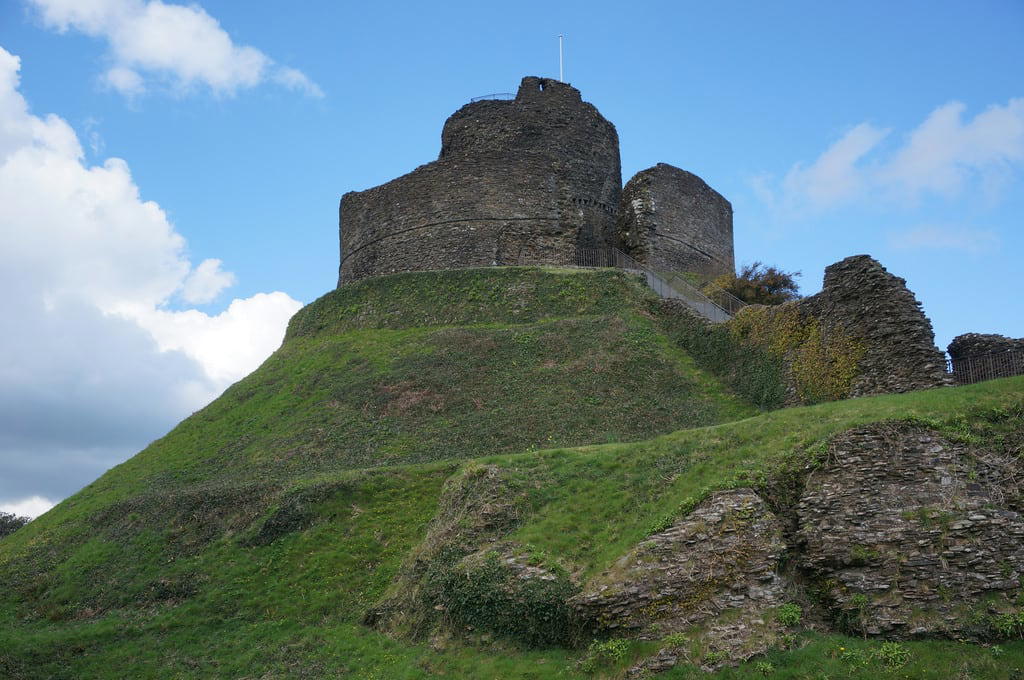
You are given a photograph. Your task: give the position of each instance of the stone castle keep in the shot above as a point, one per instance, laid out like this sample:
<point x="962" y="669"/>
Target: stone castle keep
<point x="534" y="180"/>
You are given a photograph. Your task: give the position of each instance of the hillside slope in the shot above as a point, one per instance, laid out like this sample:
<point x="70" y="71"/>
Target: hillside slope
<point x="258" y="536"/>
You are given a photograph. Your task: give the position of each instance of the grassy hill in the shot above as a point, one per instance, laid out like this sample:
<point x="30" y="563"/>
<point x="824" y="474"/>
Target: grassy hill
<point x="251" y="541"/>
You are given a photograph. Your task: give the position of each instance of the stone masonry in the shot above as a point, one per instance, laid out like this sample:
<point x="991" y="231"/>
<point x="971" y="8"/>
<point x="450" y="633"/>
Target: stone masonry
<point x="526" y="181"/>
<point x="534" y="180"/>
<point x="911" y="534"/>
<point x="672" y="220"/>
<point x="866" y="302"/>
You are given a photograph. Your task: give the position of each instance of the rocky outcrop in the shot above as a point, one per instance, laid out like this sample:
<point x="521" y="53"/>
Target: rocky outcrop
<point x="463" y="577"/>
<point x="910" y="534"/>
<point x="721" y="558"/>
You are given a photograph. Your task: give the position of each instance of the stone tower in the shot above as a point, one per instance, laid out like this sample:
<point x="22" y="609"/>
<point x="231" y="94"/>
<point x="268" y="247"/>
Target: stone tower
<point x="672" y="220"/>
<point x="522" y="181"/>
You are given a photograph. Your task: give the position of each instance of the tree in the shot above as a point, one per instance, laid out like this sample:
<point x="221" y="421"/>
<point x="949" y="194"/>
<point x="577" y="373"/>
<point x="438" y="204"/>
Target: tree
<point x="757" y="284"/>
<point x="10" y="523"/>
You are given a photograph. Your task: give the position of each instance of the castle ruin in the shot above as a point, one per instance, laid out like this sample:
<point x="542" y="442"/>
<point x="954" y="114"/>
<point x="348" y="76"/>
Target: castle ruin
<point x="533" y="180"/>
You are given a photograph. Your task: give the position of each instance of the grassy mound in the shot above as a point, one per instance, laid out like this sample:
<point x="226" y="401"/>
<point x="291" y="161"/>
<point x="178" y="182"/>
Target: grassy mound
<point x="437" y="366"/>
<point x="253" y="539"/>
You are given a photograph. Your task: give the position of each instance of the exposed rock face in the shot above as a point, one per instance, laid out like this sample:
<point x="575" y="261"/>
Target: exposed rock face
<point x="526" y="181"/>
<point x="672" y="220"/>
<point x="983" y="356"/>
<point x="909" y="532"/>
<point x="721" y="557"/>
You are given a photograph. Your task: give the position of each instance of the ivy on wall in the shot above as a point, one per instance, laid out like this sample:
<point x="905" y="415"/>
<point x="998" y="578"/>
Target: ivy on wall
<point x="821" y="364"/>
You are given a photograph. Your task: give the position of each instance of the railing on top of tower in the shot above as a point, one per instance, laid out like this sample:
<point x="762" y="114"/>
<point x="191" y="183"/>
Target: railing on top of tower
<point x="495" y="95"/>
<point x="711" y="302"/>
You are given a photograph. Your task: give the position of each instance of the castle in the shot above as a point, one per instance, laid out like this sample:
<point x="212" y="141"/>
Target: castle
<point x="533" y="180"/>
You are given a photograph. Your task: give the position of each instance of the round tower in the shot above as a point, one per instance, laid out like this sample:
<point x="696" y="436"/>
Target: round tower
<point x="529" y="180"/>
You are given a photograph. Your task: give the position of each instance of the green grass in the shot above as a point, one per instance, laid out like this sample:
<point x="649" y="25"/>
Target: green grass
<point x="354" y="386"/>
<point x="247" y="543"/>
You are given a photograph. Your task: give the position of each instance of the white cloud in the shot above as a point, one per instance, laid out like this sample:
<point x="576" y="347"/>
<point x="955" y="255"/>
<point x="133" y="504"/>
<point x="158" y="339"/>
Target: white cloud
<point x="941" y="157"/>
<point x="944" y="151"/>
<point x="295" y="79"/>
<point x="28" y="507"/>
<point x="94" y="365"/>
<point x="179" y="44"/>
<point x="229" y="345"/>
<point x="938" y="237"/>
<point x="124" y="80"/>
<point x="835" y="176"/>
<point x="206" y="282"/>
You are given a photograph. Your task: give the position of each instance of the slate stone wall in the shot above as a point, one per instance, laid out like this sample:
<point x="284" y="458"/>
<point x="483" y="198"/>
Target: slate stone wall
<point x="525" y="181"/>
<point x="909" y="532"/>
<point x="981" y="344"/>
<point x="672" y="220"/>
<point x="984" y="356"/>
<point x="876" y="308"/>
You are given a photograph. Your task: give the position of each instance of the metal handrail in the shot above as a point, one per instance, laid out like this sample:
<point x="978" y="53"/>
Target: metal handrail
<point x="667" y="285"/>
<point x="675" y="287"/>
<point x="496" y="95"/>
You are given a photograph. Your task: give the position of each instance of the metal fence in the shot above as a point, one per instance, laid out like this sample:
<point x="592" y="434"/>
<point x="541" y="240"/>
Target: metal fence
<point x="967" y="370"/>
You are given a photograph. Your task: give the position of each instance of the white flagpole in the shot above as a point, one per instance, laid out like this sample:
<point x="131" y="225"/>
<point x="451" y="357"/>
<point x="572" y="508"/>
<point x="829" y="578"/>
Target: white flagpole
<point x="561" y="60"/>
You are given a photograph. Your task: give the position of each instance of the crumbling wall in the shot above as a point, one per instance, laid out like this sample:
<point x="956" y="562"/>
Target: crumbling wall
<point x="864" y="333"/>
<point x="984" y="356"/>
<point x="672" y="220"/>
<point x="526" y="181"/>
<point x="911" y="534"/>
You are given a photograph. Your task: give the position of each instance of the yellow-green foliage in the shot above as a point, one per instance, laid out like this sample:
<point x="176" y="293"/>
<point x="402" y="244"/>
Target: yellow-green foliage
<point x="821" y="365"/>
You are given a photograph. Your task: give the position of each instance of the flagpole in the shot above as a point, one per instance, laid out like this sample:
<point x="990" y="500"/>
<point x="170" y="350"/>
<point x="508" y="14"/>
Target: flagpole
<point x="561" y="60"/>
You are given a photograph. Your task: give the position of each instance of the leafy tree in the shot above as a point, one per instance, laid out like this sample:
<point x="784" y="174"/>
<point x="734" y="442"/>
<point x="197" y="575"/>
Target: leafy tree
<point x="757" y="284"/>
<point x="9" y="523"/>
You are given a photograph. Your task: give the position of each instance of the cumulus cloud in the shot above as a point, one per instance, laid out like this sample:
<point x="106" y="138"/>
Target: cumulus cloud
<point x="835" y="175"/>
<point x="941" y="157"/>
<point x="32" y="506"/>
<point x="206" y="282"/>
<point x="940" y="237"/>
<point x="181" y="45"/>
<point x="95" y="364"/>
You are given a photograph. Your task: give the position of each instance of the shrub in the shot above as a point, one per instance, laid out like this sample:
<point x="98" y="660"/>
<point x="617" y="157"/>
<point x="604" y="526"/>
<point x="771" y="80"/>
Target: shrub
<point x="604" y="653"/>
<point x="757" y="284"/>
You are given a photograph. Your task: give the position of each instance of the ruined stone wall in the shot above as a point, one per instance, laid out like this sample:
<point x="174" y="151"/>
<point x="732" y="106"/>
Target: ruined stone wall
<point x="671" y="219"/>
<point x="981" y="344"/>
<point x="875" y="307"/>
<point x="864" y="333"/>
<point x="910" y="532"/>
<point x="525" y="181"/>
<point x="984" y="356"/>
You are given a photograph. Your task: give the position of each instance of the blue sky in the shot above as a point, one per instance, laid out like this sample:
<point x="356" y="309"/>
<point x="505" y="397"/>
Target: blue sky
<point x="173" y="172"/>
